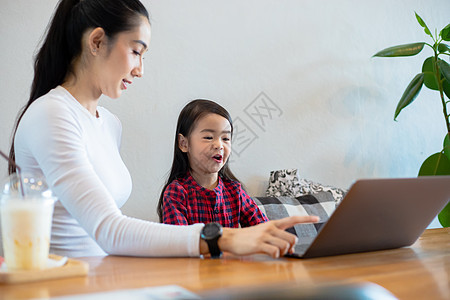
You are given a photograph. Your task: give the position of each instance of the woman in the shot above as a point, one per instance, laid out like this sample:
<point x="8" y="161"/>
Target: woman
<point x="95" y="47"/>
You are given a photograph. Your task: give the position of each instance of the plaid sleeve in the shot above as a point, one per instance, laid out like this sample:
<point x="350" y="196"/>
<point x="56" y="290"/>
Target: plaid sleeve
<point x="250" y="212"/>
<point x="174" y="210"/>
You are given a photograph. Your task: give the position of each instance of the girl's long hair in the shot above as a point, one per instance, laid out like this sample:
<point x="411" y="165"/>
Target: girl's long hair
<point x="187" y="120"/>
<point x="62" y="42"/>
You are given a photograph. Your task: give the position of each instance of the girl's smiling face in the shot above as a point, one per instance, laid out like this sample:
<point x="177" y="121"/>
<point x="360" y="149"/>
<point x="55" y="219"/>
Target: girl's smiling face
<point x="208" y="146"/>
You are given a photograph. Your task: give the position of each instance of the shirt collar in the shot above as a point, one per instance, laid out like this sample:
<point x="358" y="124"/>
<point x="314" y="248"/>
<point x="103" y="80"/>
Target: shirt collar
<point x="191" y="181"/>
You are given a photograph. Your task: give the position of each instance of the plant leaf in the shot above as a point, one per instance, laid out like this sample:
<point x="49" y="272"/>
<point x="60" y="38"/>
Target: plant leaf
<point x="401" y="50"/>
<point x="446" y="87"/>
<point x="447" y="146"/>
<point x="443" y="48"/>
<point x="411" y="92"/>
<point x="445" y="33"/>
<point x="444" y="216"/>
<point x="430" y="77"/>
<point x="444" y="69"/>
<point x="422" y="23"/>
<point x="436" y="164"/>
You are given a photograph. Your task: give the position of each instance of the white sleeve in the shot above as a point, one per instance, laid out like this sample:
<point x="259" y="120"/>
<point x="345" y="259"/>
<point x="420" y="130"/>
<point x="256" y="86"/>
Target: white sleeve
<point x="54" y="138"/>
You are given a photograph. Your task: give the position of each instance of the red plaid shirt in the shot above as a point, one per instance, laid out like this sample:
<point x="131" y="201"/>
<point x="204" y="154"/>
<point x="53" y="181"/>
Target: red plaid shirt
<point x="185" y="202"/>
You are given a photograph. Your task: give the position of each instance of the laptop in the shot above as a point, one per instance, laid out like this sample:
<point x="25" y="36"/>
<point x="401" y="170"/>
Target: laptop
<point x="378" y="214"/>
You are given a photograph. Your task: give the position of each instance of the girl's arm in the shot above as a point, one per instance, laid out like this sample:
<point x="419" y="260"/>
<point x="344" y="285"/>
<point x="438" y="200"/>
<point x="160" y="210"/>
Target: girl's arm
<point x="173" y="209"/>
<point x="250" y="213"/>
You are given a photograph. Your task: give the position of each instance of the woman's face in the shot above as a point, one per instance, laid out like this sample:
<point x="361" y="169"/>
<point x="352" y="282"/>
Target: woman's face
<point x="124" y="61"/>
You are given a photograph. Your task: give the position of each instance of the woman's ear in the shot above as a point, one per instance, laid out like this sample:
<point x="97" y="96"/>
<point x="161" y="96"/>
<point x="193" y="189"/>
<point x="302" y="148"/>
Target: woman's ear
<point x="183" y="143"/>
<point x="97" y="39"/>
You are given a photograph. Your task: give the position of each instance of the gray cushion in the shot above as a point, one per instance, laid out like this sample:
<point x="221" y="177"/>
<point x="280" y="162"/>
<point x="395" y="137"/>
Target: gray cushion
<point x="321" y="204"/>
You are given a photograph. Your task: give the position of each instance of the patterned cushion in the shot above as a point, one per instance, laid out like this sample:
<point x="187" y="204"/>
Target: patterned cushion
<point x="283" y="183"/>
<point x="321" y="204"/>
<point x="286" y="183"/>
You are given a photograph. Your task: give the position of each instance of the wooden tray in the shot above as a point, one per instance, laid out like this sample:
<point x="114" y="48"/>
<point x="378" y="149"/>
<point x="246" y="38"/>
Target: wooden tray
<point x="71" y="268"/>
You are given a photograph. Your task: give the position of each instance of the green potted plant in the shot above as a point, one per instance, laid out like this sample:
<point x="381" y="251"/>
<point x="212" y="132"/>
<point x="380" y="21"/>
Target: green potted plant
<point x="435" y="75"/>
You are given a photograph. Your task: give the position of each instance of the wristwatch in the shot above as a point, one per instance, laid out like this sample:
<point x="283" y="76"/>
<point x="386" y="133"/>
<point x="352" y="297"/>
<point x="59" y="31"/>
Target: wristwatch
<point x="211" y="233"/>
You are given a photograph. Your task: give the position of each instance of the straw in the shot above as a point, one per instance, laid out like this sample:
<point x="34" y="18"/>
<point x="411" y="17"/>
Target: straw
<point x="18" y="171"/>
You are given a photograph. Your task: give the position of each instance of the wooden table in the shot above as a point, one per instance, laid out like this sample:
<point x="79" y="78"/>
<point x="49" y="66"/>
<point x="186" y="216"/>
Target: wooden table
<point x="421" y="271"/>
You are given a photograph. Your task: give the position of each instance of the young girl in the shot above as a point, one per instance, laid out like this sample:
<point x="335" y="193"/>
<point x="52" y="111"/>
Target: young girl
<point x="201" y="187"/>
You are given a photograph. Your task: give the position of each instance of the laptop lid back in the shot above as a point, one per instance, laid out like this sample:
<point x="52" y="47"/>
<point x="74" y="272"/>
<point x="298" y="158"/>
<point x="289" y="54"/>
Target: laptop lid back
<point x="379" y="214"/>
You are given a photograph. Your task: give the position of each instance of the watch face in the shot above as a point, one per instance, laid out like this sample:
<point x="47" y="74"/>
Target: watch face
<point x="211" y="230"/>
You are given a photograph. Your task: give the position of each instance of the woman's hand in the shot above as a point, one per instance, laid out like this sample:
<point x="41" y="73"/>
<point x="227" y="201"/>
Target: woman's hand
<point x="268" y="238"/>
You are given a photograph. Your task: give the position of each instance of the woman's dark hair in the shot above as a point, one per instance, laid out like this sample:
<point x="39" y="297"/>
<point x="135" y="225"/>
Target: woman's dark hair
<point x="191" y="113"/>
<point x="62" y="43"/>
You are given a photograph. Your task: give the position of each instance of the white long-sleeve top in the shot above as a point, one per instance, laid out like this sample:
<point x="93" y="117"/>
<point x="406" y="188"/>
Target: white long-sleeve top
<point x="79" y="156"/>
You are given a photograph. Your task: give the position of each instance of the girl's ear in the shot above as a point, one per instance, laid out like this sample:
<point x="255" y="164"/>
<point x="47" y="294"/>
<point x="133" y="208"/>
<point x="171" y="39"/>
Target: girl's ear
<point x="183" y="143"/>
<point x="97" y="39"/>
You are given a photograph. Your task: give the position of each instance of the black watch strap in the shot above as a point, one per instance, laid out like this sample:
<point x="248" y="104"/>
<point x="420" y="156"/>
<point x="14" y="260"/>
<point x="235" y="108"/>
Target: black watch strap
<point x="214" y="249"/>
<point x="211" y="234"/>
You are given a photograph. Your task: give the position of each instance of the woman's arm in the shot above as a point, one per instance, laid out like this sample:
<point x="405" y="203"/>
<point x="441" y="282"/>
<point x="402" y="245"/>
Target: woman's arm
<point x="52" y="134"/>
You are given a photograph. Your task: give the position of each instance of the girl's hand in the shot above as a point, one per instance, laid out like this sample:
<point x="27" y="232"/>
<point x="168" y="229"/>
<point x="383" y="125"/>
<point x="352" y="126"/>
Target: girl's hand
<point x="268" y="238"/>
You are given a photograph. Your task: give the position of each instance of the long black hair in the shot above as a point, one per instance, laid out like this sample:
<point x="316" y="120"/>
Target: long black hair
<point x="62" y="43"/>
<point x="187" y="120"/>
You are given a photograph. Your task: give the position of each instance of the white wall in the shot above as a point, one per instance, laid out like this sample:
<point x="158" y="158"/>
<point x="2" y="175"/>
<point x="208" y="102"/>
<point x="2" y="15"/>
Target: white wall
<point x="335" y="104"/>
